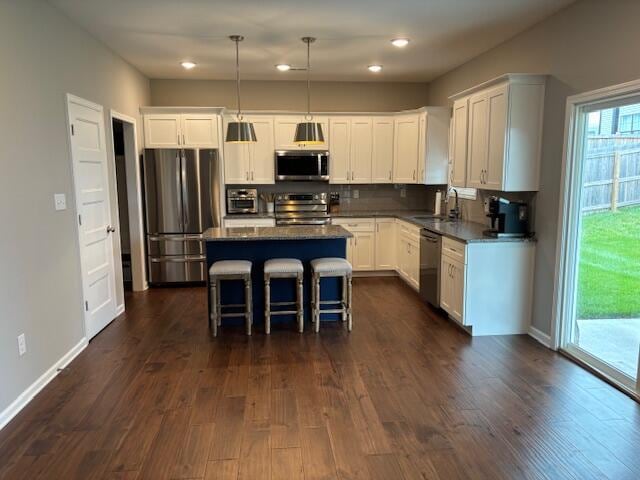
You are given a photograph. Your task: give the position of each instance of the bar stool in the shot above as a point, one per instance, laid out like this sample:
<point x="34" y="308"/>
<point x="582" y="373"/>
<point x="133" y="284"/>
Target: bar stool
<point x="283" y="268"/>
<point x="331" y="267"/>
<point x="230" y="270"/>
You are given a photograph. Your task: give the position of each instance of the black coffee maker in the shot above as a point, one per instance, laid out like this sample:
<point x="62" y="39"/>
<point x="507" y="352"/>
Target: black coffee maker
<point x="508" y="219"/>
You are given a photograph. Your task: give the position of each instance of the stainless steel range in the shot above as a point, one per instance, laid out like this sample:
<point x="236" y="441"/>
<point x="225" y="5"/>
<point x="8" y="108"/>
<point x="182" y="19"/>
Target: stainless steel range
<point x="302" y="209"/>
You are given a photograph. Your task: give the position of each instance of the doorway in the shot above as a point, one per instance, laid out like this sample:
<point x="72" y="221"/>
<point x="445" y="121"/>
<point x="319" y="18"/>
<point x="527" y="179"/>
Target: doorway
<point x="599" y="303"/>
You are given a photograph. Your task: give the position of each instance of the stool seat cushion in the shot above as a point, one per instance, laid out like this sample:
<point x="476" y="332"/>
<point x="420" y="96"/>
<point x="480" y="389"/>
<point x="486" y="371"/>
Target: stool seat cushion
<point x="230" y="267"/>
<point x="283" y="265"/>
<point x="331" y="265"/>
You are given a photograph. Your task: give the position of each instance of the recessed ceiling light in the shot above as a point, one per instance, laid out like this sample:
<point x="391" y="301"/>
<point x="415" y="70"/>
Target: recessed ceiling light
<point x="188" y="65"/>
<point x="375" y="68"/>
<point x="400" y="42"/>
<point x="283" y="67"/>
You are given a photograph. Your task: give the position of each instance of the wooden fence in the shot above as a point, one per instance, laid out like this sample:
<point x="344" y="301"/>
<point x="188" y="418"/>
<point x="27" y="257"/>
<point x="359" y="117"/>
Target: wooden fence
<point x="611" y="173"/>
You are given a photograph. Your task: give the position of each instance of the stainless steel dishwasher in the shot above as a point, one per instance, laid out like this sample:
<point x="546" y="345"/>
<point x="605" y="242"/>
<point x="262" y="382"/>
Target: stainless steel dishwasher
<point x="430" y="250"/>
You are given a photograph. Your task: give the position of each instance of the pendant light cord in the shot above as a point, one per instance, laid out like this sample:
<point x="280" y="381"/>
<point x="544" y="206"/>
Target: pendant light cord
<point x="309" y="80"/>
<point x="237" y="40"/>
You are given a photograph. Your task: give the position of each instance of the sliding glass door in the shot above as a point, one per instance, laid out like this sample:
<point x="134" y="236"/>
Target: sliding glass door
<point x="602" y="318"/>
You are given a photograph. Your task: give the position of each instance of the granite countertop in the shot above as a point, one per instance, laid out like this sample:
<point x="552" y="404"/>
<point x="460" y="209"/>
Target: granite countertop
<point x="299" y="232"/>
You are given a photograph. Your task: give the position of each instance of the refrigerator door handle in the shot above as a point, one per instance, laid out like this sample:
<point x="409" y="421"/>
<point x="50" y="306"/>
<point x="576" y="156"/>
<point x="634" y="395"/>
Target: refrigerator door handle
<point x="180" y="204"/>
<point x="184" y="192"/>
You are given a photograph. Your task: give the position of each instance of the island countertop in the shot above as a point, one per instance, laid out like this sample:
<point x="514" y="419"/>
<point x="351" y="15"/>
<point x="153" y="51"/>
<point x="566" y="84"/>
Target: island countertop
<point x="297" y="232"/>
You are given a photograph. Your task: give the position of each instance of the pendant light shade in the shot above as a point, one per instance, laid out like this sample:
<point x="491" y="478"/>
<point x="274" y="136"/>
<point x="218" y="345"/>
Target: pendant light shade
<point x="239" y="131"/>
<point x="308" y="132"/>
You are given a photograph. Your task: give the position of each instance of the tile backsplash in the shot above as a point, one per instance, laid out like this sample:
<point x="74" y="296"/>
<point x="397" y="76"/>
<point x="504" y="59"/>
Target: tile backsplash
<point x="364" y="197"/>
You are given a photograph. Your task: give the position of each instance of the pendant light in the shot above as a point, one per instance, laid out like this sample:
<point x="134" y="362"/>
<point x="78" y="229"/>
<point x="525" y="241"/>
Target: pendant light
<point x="239" y="131"/>
<point x="308" y="132"/>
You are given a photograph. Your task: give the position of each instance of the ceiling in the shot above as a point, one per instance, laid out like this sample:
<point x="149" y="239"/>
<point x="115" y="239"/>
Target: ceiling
<point x="156" y="35"/>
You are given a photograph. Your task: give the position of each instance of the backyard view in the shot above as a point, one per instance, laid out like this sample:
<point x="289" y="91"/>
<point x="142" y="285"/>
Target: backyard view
<point x="608" y="295"/>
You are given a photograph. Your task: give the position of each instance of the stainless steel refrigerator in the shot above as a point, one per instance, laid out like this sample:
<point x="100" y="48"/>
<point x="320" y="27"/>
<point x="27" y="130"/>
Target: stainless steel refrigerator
<point x="182" y="201"/>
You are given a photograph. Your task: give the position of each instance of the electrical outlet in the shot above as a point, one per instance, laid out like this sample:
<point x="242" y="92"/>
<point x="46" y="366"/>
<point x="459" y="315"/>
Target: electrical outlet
<point x="60" y="201"/>
<point x="403" y="192"/>
<point x="356" y="194"/>
<point x="22" y="344"/>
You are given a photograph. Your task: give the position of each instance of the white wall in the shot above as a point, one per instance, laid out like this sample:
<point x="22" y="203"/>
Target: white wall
<point x="591" y="44"/>
<point x="44" y="55"/>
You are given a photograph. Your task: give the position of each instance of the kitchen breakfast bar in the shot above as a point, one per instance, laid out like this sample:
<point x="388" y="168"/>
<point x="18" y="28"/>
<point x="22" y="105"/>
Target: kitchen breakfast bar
<point x="259" y="244"/>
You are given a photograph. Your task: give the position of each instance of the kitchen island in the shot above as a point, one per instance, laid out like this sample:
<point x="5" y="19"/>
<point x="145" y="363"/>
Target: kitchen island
<point x="259" y="244"/>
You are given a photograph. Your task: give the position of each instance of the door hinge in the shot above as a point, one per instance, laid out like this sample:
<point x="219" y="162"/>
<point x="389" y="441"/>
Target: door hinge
<point x="73" y="132"/>
<point x="86" y="305"/>
<point x="80" y="219"/>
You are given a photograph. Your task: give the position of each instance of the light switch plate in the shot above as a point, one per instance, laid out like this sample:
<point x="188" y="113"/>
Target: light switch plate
<point x="60" y="201"/>
<point x="22" y="344"/>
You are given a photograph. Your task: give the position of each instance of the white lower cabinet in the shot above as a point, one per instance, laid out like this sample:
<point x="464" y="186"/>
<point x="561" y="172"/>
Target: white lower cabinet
<point x="487" y="286"/>
<point x="249" y="222"/>
<point x="385" y="251"/>
<point x="360" y="247"/>
<point x="408" y="253"/>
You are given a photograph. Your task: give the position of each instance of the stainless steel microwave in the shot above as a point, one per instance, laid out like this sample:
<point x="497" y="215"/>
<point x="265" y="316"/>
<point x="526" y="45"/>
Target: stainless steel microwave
<point x="302" y="165"/>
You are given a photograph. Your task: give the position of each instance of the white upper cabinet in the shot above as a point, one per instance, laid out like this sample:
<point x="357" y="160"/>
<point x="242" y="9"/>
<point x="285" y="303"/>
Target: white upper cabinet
<point x="187" y="130"/>
<point x="503" y="134"/>
<point x="406" y="145"/>
<point x="199" y="130"/>
<point x="458" y="150"/>
<point x="162" y="131"/>
<point x="361" y="149"/>
<point x="251" y="163"/>
<point x="382" y="154"/>
<point x="285" y="131"/>
<point x="340" y="149"/>
<point x="433" y="146"/>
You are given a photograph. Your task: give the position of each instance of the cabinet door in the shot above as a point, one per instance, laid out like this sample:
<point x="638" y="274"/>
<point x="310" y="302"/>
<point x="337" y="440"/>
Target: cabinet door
<point x="285" y="131"/>
<point x="382" y="155"/>
<point x="339" y="162"/>
<point x="457" y="291"/>
<point x="361" y="149"/>
<point x="199" y="130"/>
<point x="414" y="264"/>
<point x="459" y="133"/>
<point x="405" y="156"/>
<point x="477" y="157"/>
<point x="236" y="162"/>
<point x="422" y="149"/>
<point x="261" y="153"/>
<point x="446" y="302"/>
<point x="496" y="134"/>
<point x="363" y="256"/>
<point x="162" y="131"/>
<point x="385" y="257"/>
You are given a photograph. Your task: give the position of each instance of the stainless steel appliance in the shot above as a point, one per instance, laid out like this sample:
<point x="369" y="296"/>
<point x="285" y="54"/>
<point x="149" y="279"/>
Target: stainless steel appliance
<point x="302" y="165"/>
<point x="508" y="219"/>
<point x="302" y="209"/>
<point x="181" y="194"/>
<point x="242" y="200"/>
<point x="430" y="250"/>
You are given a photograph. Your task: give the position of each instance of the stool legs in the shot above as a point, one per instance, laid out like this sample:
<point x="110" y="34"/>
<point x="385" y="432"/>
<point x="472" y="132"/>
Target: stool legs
<point x="316" y="303"/>
<point x="248" y="303"/>
<point x="348" y="306"/>
<point x="300" y="304"/>
<point x="213" y="315"/>
<point x="344" y="298"/>
<point x="267" y="304"/>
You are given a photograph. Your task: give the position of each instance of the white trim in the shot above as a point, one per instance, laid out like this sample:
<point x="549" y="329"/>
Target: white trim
<point x="521" y="78"/>
<point x="136" y="226"/>
<point x="25" y="397"/>
<point x="540" y="336"/>
<point x="119" y="309"/>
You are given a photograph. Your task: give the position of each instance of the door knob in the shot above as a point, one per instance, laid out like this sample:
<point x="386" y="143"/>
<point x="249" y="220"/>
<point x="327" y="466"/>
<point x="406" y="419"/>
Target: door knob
<point x="110" y="229"/>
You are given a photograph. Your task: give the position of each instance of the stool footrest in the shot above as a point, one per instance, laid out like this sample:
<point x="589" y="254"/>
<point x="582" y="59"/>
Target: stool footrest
<point x="284" y="312"/>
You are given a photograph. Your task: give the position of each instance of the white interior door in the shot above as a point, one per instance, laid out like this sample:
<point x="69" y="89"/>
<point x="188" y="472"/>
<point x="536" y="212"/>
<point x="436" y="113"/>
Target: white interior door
<point x="91" y="180"/>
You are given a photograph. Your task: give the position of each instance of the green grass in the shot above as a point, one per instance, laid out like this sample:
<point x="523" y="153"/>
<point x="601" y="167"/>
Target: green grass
<point x="609" y="270"/>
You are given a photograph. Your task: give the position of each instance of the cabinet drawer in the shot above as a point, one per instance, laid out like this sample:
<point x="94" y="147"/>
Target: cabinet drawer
<point x="454" y="249"/>
<point x="355" y="224"/>
<point x="409" y="230"/>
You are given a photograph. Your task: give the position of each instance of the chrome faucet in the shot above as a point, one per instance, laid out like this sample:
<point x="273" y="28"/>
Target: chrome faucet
<point x="455" y="211"/>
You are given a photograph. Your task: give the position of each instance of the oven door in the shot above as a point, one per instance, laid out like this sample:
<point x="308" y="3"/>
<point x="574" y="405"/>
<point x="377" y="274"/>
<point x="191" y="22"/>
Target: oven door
<point x="302" y="166"/>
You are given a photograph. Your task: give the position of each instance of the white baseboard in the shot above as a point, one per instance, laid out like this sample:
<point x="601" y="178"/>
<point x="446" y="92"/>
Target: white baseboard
<point x="540" y="336"/>
<point x="25" y="397"/>
<point x="119" y="309"/>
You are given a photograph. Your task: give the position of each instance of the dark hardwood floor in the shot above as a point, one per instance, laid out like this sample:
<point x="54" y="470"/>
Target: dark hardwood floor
<point x="406" y="395"/>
